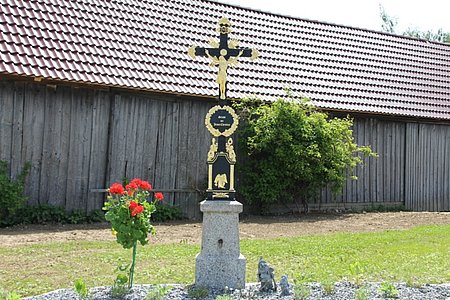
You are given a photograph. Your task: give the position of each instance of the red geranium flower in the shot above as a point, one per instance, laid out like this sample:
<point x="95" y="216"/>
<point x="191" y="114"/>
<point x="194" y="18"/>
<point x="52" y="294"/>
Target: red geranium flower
<point x="133" y="205"/>
<point x="132" y="186"/>
<point x="145" y="185"/>
<point x="117" y="189"/>
<point x="159" y="196"/>
<point x="135" y="208"/>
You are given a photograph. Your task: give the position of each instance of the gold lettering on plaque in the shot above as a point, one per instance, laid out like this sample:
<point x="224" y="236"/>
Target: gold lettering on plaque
<point x="231" y="127"/>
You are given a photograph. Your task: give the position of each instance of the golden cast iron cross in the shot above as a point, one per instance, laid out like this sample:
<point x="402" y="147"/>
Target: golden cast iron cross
<point x="224" y="53"/>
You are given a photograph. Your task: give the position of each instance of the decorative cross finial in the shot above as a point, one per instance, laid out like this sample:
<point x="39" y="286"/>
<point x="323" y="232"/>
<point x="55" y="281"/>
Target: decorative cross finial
<point x="224" y="53"/>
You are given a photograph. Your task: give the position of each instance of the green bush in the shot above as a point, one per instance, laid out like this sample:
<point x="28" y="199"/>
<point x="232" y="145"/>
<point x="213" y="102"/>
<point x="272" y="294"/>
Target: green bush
<point x="292" y="150"/>
<point x="11" y="193"/>
<point x="49" y="214"/>
<point x="166" y="212"/>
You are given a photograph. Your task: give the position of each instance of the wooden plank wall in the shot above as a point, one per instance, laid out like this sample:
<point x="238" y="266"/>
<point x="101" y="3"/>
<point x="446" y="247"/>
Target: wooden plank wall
<point x="83" y="139"/>
<point x="63" y="132"/>
<point x="80" y="139"/>
<point x="163" y="141"/>
<point x="380" y="180"/>
<point x="427" y="167"/>
<point x="413" y="166"/>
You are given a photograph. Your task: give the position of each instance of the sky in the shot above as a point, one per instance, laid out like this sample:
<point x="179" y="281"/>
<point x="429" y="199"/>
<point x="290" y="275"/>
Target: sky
<point x="420" y="14"/>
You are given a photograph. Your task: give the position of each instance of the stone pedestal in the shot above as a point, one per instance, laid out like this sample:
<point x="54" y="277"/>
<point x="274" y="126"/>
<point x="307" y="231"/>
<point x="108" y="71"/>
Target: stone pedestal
<point x="220" y="263"/>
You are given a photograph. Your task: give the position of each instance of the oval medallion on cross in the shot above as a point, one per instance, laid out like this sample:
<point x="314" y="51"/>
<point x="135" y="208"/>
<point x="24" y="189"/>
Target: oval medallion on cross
<point x="221" y="120"/>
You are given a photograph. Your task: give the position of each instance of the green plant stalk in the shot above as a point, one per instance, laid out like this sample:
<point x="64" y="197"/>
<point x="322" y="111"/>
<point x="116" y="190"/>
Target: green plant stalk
<point x="133" y="262"/>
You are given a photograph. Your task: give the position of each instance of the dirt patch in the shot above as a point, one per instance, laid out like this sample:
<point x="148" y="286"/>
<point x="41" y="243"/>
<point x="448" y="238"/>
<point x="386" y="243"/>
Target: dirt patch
<point x="252" y="227"/>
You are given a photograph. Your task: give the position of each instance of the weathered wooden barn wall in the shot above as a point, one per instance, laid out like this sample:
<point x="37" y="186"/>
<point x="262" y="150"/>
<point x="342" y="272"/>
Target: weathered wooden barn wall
<point x="164" y="140"/>
<point x="380" y="179"/>
<point x="412" y="168"/>
<point x="427" y="167"/>
<point x="79" y="140"/>
<point x="82" y="139"/>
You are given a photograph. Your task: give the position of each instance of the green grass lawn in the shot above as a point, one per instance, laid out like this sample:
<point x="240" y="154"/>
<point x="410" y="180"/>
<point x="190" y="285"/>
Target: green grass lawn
<point x="419" y="255"/>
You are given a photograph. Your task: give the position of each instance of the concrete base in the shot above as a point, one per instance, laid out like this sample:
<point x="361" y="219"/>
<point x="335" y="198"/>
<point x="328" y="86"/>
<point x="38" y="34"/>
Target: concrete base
<point x="220" y="263"/>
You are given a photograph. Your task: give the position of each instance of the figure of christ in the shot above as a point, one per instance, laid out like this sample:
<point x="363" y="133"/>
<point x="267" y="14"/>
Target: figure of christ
<point x="223" y="67"/>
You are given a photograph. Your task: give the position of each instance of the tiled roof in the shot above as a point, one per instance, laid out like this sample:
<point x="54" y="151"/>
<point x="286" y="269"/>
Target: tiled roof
<point x="143" y="45"/>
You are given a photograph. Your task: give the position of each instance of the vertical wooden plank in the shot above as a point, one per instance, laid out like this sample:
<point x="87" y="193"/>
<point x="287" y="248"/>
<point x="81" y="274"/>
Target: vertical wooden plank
<point x="16" y="164"/>
<point x="398" y="161"/>
<point x="99" y="148"/>
<point x="381" y="159"/>
<point x="423" y="178"/>
<point x="34" y="112"/>
<point x="181" y="199"/>
<point x="132" y="138"/>
<point x="360" y="169"/>
<point x="153" y="142"/>
<point x="410" y="153"/>
<point x="6" y="120"/>
<point x="446" y="198"/>
<point x="174" y="146"/>
<point x="402" y="161"/>
<point x="367" y="162"/>
<point x="428" y="167"/>
<point x="162" y="156"/>
<point x="374" y="162"/>
<point x="439" y="162"/>
<point x="407" y="188"/>
<point x="387" y="186"/>
<point x="117" y="146"/>
<point x="46" y="169"/>
<point x="79" y="152"/>
<point x="434" y="157"/>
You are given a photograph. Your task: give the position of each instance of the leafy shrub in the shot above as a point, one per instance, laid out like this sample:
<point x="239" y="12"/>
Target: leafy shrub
<point x="195" y="292"/>
<point x="81" y="289"/>
<point x="49" y="214"/>
<point x="166" y="212"/>
<point x="388" y="290"/>
<point x="11" y="193"/>
<point x="120" y="287"/>
<point x="362" y="293"/>
<point x="157" y="293"/>
<point x="328" y="287"/>
<point x="293" y="150"/>
<point x="301" y="291"/>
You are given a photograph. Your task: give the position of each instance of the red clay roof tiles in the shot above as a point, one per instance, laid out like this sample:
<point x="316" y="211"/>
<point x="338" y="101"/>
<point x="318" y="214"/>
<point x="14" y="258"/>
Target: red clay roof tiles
<point x="143" y="45"/>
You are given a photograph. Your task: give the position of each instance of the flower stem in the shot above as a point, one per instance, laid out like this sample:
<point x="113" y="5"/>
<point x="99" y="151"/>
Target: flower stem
<point x="133" y="262"/>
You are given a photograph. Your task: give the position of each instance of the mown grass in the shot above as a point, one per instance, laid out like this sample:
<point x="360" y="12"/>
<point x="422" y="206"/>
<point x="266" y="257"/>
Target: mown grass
<point x="419" y="255"/>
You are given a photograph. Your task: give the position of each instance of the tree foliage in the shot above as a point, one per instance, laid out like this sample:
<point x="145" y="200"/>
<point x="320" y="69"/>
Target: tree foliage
<point x="389" y="22"/>
<point x="293" y="150"/>
<point x="390" y="25"/>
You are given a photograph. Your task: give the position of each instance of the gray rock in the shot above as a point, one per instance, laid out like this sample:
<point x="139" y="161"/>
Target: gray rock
<point x="342" y="291"/>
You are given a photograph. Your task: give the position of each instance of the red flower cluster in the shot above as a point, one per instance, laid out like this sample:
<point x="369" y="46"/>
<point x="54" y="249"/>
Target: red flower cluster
<point x="159" y="196"/>
<point x="135" y="208"/>
<point x="137" y="183"/>
<point x="134" y="185"/>
<point x="117" y="189"/>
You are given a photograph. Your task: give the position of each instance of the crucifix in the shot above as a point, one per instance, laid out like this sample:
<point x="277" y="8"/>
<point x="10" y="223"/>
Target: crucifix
<point x="221" y="119"/>
<point x="220" y="263"/>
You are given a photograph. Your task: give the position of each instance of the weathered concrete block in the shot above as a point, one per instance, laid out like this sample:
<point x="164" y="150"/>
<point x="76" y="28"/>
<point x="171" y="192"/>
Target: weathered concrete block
<point x="220" y="264"/>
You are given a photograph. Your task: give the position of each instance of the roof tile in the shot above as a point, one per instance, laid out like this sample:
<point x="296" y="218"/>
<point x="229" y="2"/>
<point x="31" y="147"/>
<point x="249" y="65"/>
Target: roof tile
<point x="144" y="46"/>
